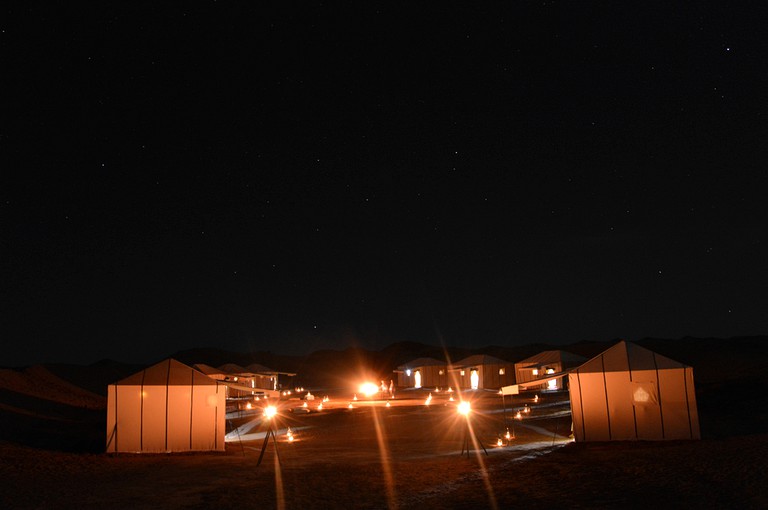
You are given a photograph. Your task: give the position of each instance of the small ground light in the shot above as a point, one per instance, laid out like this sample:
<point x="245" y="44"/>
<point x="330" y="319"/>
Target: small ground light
<point x="499" y="442"/>
<point x="388" y="405"/>
<point x="350" y="405"/>
<point x="319" y="407"/>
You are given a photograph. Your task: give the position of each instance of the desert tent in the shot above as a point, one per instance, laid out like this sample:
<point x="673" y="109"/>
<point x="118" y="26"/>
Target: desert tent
<point x="168" y="407"/>
<point x="422" y="372"/>
<point x="629" y="393"/>
<point x="482" y="371"/>
<point x="544" y="364"/>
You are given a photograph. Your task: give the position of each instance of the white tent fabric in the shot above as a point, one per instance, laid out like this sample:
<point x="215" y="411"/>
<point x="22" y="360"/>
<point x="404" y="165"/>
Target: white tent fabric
<point x="168" y="407"/>
<point x="631" y="393"/>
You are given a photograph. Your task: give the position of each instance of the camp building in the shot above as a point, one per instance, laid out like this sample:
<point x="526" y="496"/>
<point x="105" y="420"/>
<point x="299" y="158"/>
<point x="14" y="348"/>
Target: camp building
<point x="168" y="407"/>
<point x="545" y="364"/>
<point x="482" y="371"/>
<point x="630" y="393"/>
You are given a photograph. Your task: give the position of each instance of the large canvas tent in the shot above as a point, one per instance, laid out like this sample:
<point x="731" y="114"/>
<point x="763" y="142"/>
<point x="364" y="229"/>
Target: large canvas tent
<point x="630" y="393"/>
<point x="168" y="407"/>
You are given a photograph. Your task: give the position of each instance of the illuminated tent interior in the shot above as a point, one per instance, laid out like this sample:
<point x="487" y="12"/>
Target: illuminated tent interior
<point x="168" y="407"/>
<point x="631" y="393"/>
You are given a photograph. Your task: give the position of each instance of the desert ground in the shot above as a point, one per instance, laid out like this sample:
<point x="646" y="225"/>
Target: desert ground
<point x="407" y="455"/>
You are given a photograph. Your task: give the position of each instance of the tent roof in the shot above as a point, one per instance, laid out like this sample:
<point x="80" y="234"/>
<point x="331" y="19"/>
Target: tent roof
<point x="168" y="372"/>
<point x="628" y="356"/>
<point x="207" y="369"/>
<point x="232" y="369"/>
<point x="555" y="356"/>
<point x="255" y="368"/>
<point x="422" y="362"/>
<point x="479" y="359"/>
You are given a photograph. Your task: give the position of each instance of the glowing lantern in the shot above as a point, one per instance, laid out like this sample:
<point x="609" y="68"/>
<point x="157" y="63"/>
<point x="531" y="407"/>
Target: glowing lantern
<point x="526" y="409"/>
<point x="304" y="404"/>
<point x="355" y="397"/>
<point x="499" y="442"/>
<point x="326" y="399"/>
<point x="437" y="390"/>
<point x="536" y="398"/>
<point x="518" y="416"/>
<point x="368" y="389"/>
<point x="388" y="405"/>
<point x="464" y="408"/>
<point x="270" y="411"/>
<point x="319" y="407"/>
<point x="429" y="399"/>
<point x="450" y="390"/>
<point x="450" y="399"/>
<point x="248" y="406"/>
<point x="507" y="436"/>
<point x="350" y="405"/>
<point x="289" y="435"/>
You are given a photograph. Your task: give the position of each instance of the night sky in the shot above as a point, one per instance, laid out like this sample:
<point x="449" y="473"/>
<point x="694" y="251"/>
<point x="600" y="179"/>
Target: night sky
<point x="351" y="174"/>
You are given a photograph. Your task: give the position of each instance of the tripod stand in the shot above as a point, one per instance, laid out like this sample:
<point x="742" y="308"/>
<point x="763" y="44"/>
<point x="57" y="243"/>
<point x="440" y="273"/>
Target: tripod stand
<point x="270" y="432"/>
<point x="469" y="435"/>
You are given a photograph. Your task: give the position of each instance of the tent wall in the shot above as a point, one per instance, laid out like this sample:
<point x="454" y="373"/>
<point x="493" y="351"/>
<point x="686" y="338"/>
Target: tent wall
<point x="633" y="394"/>
<point x="185" y="414"/>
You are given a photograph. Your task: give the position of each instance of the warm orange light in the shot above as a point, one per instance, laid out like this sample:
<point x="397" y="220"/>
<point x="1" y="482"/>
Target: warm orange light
<point x="388" y="404"/>
<point x="536" y="398"/>
<point x="304" y="404"/>
<point x="248" y="406"/>
<point x="429" y="400"/>
<point x="270" y="411"/>
<point x="368" y="389"/>
<point x="350" y="405"/>
<point x="499" y="442"/>
<point x="450" y="399"/>
<point x="355" y="397"/>
<point x="507" y="436"/>
<point x="518" y="416"/>
<point x="319" y="407"/>
<point x="464" y="408"/>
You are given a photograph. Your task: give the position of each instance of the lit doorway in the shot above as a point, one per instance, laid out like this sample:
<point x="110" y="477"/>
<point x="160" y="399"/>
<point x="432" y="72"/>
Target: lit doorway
<point x="474" y="379"/>
<point x="417" y="379"/>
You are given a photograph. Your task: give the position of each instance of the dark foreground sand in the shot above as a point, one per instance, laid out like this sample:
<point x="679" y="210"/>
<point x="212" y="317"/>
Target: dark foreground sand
<point x="406" y="456"/>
